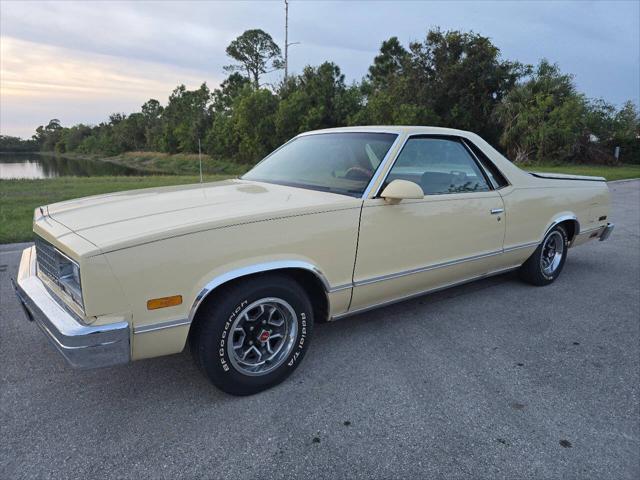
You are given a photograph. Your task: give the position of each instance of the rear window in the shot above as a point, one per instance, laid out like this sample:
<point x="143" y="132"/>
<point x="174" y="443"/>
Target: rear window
<point x="496" y="178"/>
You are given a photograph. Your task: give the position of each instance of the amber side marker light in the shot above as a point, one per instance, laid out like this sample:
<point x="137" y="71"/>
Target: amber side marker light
<point x="164" y="302"/>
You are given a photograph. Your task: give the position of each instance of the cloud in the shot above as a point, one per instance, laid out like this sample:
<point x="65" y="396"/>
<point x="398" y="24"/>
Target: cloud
<point x="39" y="82"/>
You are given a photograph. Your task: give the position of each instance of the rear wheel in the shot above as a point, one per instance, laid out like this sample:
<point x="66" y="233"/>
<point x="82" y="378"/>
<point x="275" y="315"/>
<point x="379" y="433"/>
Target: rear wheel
<point x="253" y="334"/>
<point x="546" y="263"/>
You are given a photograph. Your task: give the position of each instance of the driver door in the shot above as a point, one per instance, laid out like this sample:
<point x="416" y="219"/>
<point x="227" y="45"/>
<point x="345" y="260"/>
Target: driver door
<point x="454" y="233"/>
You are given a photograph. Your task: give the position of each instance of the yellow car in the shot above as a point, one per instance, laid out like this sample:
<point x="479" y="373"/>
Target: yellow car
<point x="332" y="223"/>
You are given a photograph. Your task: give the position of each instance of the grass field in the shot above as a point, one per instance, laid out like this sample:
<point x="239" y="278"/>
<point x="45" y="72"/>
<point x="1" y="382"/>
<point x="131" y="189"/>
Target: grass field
<point x="19" y="198"/>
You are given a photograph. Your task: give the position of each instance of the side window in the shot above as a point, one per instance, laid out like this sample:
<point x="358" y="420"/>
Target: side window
<point x="497" y="179"/>
<point x="439" y="166"/>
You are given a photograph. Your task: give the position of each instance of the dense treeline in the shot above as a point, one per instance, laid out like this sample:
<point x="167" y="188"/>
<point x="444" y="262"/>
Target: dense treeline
<point x="453" y="79"/>
<point x="16" y="144"/>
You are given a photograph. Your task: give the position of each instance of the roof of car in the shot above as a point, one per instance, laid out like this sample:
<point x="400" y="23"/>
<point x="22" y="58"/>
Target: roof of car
<point x="398" y="129"/>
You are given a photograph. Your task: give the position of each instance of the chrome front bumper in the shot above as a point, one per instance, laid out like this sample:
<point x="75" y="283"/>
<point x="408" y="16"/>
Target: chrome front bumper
<point x="83" y="346"/>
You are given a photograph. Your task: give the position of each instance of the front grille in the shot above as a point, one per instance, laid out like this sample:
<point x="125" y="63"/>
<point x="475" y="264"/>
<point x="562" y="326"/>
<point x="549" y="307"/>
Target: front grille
<point x="47" y="258"/>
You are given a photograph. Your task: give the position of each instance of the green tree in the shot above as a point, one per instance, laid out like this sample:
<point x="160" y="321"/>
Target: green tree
<point x="461" y="78"/>
<point x="253" y="124"/>
<point x="627" y="122"/>
<point x="543" y="118"/>
<point x="385" y="108"/>
<point x="452" y="79"/>
<point x="152" y="113"/>
<point x="256" y="54"/>
<point x="186" y="119"/>
<point x="229" y="90"/>
<point x="318" y="98"/>
<point x="16" y="144"/>
<point x="388" y="65"/>
<point x="47" y="136"/>
<point x="627" y="133"/>
<point x="245" y="132"/>
<point x="71" y="138"/>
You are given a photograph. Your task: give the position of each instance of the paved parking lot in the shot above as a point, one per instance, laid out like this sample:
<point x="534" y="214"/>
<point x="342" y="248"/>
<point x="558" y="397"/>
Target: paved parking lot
<point x="494" y="379"/>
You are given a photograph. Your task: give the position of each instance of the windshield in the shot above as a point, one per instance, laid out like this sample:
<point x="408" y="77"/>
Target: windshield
<point x="334" y="162"/>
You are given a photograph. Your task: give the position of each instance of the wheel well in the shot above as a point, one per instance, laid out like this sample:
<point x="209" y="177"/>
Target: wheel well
<point x="311" y="284"/>
<point x="314" y="288"/>
<point x="570" y="227"/>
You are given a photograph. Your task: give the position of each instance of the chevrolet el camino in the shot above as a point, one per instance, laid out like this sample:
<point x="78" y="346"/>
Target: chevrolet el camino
<point x="333" y="223"/>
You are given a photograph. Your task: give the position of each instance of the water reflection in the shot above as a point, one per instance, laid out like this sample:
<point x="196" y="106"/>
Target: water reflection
<point x="30" y="165"/>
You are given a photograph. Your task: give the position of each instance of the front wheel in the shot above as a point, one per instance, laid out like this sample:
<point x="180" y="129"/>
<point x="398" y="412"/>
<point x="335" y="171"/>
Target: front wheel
<point x="253" y="334"/>
<point x="546" y="263"/>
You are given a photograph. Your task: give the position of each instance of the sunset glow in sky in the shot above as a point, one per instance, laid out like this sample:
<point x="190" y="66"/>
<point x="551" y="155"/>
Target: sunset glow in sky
<point x="81" y="61"/>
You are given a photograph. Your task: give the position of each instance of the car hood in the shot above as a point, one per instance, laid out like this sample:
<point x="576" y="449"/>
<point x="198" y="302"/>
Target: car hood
<point x="123" y="219"/>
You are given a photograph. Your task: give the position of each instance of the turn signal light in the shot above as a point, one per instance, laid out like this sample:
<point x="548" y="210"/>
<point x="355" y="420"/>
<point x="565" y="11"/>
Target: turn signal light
<point x="164" y="302"/>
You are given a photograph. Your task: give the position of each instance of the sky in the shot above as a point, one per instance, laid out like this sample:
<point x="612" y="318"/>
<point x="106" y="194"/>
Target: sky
<point x="81" y="61"/>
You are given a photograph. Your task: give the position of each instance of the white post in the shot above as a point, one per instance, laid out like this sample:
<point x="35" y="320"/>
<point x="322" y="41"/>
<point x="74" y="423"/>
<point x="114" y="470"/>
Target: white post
<point x="200" y="159"/>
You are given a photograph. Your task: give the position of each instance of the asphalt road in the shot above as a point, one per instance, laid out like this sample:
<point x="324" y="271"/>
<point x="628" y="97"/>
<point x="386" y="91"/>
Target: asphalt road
<point x="495" y="379"/>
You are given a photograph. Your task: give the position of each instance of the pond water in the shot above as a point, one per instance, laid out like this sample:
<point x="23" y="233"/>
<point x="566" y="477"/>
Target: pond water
<point x="31" y="165"/>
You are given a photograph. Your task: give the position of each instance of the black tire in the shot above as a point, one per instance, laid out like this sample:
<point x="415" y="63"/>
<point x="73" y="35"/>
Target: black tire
<point x="532" y="271"/>
<point x="216" y="317"/>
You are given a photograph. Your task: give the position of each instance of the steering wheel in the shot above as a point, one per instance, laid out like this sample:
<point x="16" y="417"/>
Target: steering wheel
<point x="358" y="173"/>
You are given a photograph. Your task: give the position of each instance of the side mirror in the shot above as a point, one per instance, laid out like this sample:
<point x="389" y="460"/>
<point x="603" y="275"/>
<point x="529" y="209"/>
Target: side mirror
<point x="400" y="190"/>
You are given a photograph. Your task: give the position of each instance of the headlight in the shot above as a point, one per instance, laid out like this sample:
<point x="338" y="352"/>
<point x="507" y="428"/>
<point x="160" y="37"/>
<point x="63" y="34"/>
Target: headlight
<point x="69" y="279"/>
<point x="60" y="269"/>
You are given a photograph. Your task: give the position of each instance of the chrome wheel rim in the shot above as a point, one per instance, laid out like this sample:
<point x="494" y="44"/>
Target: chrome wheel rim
<point x="262" y="336"/>
<point x="552" y="250"/>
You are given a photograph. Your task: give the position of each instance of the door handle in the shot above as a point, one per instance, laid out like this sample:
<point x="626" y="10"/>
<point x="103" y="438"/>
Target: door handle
<point x="496" y="211"/>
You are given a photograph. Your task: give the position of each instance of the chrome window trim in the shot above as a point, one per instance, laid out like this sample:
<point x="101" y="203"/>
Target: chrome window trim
<point x="376" y="174"/>
<point x="466" y="142"/>
<point x="350" y="130"/>
<point x="436" y="135"/>
<point x="387" y="158"/>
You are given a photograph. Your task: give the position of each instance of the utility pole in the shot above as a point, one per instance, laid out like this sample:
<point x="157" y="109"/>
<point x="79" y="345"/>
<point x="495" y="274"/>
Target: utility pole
<point x="286" y="39"/>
